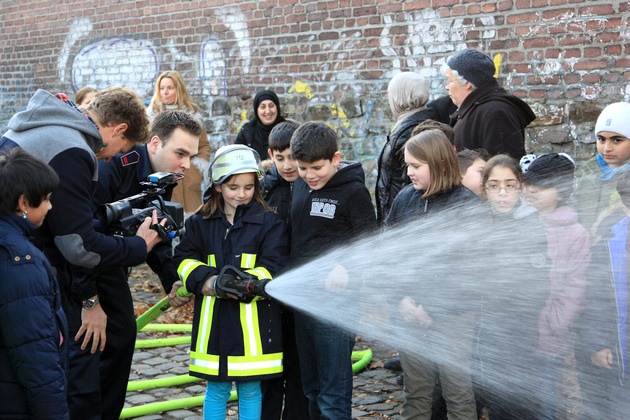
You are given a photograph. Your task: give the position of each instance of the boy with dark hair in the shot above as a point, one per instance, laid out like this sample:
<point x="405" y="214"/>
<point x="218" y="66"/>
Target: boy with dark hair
<point x="278" y="183"/>
<point x="331" y="206"/>
<point x="56" y="131"/>
<point x="280" y="177"/>
<point x="471" y="165"/>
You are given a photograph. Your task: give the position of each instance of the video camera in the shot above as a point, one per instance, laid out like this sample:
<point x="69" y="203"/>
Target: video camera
<point x="123" y="217"/>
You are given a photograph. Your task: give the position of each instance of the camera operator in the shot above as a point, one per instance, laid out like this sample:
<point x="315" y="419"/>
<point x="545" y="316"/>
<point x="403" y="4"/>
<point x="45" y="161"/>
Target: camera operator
<point x="54" y="130"/>
<point x="173" y="143"/>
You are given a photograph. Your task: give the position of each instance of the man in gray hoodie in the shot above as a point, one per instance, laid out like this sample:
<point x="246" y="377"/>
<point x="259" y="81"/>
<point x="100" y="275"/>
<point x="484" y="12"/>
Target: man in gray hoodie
<point x="100" y="335"/>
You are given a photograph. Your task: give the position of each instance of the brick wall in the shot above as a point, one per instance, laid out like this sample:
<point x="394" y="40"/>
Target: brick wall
<point x="328" y="59"/>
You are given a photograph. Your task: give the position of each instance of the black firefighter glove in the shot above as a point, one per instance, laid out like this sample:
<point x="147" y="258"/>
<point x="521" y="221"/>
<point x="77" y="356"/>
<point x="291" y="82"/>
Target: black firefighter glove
<point x="232" y="283"/>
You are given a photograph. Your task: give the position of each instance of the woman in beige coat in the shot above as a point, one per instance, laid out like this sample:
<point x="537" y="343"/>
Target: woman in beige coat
<point x="170" y="93"/>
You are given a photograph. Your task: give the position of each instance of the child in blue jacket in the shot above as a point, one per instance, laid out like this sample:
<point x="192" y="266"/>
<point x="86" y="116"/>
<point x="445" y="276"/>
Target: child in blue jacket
<point x="33" y="327"/>
<point x="602" y="347"/>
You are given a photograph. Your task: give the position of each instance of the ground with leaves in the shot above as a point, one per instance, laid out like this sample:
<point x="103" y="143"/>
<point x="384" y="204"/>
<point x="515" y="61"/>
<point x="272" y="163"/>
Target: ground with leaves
<point x="376" y="394"/>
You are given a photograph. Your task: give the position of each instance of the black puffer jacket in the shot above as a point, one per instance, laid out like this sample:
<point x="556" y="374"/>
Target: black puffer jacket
<point x="391" y="162"/>
<point x="494" y="120"/>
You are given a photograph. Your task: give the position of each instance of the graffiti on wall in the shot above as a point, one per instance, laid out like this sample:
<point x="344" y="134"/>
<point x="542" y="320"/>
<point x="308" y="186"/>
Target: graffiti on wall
<point x="116" y="62"/>
<point x="420" y="41"/>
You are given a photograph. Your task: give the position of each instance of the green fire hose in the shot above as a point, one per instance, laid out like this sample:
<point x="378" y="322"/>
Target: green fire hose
<point x="361" y="360"/>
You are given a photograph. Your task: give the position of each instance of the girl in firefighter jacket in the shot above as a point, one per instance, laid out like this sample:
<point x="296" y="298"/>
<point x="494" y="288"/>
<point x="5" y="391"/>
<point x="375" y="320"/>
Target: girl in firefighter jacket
<point x="233" y="340"/>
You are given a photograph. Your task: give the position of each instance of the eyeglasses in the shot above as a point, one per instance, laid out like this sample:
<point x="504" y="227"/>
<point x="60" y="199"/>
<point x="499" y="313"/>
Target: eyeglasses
<point x="509" y="188"/>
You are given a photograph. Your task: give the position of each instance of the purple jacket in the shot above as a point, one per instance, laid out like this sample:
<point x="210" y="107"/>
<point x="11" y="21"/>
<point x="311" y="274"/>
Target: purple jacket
<point x="569" y="247"/>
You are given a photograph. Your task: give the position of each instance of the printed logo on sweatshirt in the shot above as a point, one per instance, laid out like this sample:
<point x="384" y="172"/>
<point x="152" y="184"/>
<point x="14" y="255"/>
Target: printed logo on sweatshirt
<point x="324" y="207"/>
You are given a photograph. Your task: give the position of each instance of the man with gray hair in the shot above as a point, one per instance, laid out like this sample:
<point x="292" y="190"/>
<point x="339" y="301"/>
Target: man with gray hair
<point x="487" y="116"/>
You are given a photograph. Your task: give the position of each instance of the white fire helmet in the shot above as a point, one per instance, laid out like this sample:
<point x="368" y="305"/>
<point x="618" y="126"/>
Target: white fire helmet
<point x="234" y="159"/>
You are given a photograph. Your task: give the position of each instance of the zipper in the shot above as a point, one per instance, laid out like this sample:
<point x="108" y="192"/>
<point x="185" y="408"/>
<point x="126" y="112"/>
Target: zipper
<point x="227" y="231"/>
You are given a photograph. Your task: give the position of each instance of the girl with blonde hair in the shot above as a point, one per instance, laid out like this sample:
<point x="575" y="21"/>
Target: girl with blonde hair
<point x="170" y="93"/>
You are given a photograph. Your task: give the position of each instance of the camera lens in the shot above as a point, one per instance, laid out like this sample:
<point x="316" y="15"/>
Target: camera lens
<point x="112" y="212"/>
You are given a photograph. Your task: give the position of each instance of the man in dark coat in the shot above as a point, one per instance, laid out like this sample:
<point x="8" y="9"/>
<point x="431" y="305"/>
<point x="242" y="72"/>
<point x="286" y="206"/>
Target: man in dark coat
<point x="487" y="116"/>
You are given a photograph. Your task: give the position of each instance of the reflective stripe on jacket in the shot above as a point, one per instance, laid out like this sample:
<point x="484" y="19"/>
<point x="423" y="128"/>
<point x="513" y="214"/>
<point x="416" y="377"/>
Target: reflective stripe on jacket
<point x="234" y="340"/>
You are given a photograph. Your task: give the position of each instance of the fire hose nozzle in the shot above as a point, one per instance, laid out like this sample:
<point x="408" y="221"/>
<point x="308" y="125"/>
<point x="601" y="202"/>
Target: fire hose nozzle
<point x="234" y="282"/>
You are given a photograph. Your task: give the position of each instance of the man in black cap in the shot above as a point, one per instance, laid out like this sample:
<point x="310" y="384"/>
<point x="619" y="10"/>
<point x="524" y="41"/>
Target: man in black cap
<point x="487" y="116"/>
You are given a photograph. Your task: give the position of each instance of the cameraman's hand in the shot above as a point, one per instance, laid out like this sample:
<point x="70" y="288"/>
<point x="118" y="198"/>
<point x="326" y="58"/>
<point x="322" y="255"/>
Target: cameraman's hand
<point x="93" y="324"/>
<point x="150" y="236"/>
<point x="174" y="300"/>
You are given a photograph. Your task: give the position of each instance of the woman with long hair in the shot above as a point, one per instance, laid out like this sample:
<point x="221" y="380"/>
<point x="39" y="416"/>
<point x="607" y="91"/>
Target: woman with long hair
<point x="170" y="93"/>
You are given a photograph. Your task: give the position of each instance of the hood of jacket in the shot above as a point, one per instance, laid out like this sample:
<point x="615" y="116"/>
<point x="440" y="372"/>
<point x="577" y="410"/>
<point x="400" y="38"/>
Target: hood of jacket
<point x="348" y="171"/>
<point x="562" y="217"/>
<point x="491" y="91"/>
<point x="46" y="111"/>
<point x="412" y="121"/>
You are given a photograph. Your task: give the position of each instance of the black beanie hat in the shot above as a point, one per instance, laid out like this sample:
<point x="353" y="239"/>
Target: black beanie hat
<point x="552" y="171"/>
<point x="473" y="65"/>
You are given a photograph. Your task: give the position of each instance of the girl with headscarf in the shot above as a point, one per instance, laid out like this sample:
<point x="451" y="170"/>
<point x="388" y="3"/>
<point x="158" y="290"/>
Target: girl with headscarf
<point x="408" y="94"/>
<point x="255" y="132"/>
<point x="170" y="93"/>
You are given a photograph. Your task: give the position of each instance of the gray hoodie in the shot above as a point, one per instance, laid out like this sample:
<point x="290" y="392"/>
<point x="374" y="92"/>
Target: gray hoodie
<point x="60" y="135"/>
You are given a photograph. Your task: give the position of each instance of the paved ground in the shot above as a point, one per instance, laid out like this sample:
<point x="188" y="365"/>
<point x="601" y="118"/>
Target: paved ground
<point x="376" y="394"/>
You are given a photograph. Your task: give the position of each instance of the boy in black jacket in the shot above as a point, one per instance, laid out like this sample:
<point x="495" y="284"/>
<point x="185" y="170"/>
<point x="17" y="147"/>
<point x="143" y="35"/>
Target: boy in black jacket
<point x="278" y="183"/>
<point x="279" y="179"/>
<point x="330" y="207"/>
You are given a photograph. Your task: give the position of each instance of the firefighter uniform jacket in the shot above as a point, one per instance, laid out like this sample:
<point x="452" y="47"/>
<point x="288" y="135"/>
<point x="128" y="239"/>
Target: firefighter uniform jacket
<point x="231" y="340"/>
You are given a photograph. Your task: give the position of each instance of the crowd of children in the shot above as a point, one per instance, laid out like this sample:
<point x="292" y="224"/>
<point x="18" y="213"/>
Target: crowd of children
<point x="557" y="292"/>
<point x="538" y="301"/>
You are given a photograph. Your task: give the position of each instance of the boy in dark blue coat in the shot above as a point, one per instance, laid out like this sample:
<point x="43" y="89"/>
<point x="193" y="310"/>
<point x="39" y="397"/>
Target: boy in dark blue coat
<point x="330" y="206"/>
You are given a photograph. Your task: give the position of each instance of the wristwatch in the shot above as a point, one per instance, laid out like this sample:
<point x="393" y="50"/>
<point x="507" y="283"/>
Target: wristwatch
<point x="89" y="303"/>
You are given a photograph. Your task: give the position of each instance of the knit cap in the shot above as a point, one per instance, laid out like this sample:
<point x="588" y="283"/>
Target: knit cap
<point x="615" y="118"/>
<point x="473" y="65"/>
<point x="552" y="171"/>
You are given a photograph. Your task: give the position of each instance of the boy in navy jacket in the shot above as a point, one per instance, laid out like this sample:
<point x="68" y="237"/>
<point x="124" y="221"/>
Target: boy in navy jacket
<point x="330" y="205"/>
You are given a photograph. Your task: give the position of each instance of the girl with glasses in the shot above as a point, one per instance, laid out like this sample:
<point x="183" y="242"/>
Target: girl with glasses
<point x="514" y="290"/>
